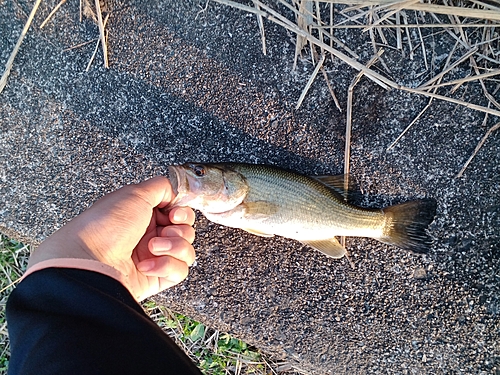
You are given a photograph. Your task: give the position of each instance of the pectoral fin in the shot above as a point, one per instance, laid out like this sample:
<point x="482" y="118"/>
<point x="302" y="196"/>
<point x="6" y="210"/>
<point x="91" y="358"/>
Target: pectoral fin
<point x="259" y="209"/>
<point x="252" y="211"/>
<point x="330" y="247"/>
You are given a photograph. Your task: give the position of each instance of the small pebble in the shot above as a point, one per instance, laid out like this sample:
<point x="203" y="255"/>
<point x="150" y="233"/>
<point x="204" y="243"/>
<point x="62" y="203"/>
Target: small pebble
<point x="419" y="274"/>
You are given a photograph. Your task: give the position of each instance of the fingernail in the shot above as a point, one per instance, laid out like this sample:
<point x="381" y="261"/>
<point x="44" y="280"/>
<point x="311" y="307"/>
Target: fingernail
<point x="172" y="232"/>
<point x="180" y="215"/>
<point x="146" y="265"/>
<point x="161" y="246"/>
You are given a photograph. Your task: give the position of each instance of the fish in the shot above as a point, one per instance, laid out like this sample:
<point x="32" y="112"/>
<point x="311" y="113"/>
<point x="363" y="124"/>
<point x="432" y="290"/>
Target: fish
<point x="267" y="200"/>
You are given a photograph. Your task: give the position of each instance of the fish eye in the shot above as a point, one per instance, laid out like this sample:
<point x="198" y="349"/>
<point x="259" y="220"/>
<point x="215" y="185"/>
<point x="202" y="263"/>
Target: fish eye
<point x="199" y="170"/>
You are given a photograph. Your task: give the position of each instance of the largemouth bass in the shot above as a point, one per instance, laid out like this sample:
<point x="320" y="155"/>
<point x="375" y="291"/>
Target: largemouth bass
<point x="267" y="201"/>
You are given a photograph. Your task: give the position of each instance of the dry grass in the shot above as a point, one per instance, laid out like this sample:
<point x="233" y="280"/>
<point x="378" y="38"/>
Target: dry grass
<point x="85" y="10"/>
<point x="10" y="61"/>
<point x="314" y="23"/>
<point x="462" y="21"/>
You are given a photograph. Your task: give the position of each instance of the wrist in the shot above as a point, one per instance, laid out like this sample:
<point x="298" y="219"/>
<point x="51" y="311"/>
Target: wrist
<point x="81" y="264"/>
<point x="59" y="249"/>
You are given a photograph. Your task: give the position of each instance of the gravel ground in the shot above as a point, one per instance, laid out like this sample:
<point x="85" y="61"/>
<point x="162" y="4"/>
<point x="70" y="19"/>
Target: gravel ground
<point x="190" y="85"/>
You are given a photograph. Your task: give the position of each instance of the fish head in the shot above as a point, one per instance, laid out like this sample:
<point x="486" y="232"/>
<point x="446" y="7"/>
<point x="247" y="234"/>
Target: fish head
<point x="207" y="187"/>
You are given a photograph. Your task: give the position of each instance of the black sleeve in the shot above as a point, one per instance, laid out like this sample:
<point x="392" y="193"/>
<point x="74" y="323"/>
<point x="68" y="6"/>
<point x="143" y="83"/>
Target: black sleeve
<point x="69" y="321"/>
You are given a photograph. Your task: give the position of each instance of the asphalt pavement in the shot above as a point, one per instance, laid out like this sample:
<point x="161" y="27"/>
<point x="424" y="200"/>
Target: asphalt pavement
<point x="192" y="85"/>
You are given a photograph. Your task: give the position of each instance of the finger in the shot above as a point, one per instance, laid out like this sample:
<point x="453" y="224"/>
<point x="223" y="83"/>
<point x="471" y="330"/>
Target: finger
<point x="170" y="268"/>
<point x="185" y="231"/>
<point x="177" y="215"/>
<point x="175" y="247"/>
<point x="182" y="215"/>
<point x="156" y="191"/>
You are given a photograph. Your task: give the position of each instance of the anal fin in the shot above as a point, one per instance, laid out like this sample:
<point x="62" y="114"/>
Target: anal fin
<point x="330" y="247"/>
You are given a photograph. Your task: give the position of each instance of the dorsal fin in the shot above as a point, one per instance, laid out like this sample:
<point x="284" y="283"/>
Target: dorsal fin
<point x="338" y="183"/>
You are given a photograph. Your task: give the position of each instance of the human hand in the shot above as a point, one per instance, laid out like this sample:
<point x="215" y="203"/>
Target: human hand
<point x="127" y="231"/>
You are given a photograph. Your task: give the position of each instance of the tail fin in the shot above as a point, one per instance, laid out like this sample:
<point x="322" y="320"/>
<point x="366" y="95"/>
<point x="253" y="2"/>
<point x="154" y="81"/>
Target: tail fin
<point x="407" y="224"/>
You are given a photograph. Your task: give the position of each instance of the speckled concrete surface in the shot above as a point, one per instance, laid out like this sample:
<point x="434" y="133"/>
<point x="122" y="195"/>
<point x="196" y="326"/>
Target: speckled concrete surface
<point x="188" y="86"/>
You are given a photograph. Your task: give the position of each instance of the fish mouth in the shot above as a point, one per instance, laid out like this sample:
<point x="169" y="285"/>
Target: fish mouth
<point x="173" y="176"/>
<point x="178" y="181"/>
<point x="181" y="183"/>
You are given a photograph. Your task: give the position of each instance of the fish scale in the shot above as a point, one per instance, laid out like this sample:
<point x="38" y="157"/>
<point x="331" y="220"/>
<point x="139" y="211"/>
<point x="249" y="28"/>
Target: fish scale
<point x="319" y="210"/>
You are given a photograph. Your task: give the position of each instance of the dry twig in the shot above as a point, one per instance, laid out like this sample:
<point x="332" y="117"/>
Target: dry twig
<point x="310" y="82"/>
<point x="478" y="147"/>
<point x="493" y="15"/>
<point x="260" y="21"/>
<point x="10" y="61"/>
<point x="348" y="131"/>
<point x="101" y="31"/>
<point x="392" y="14"/>
<point x="96" y="46"/>
<point x="330" y="88"/>
<point x="56" y="8"/>
<point x="80" y="45"/>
